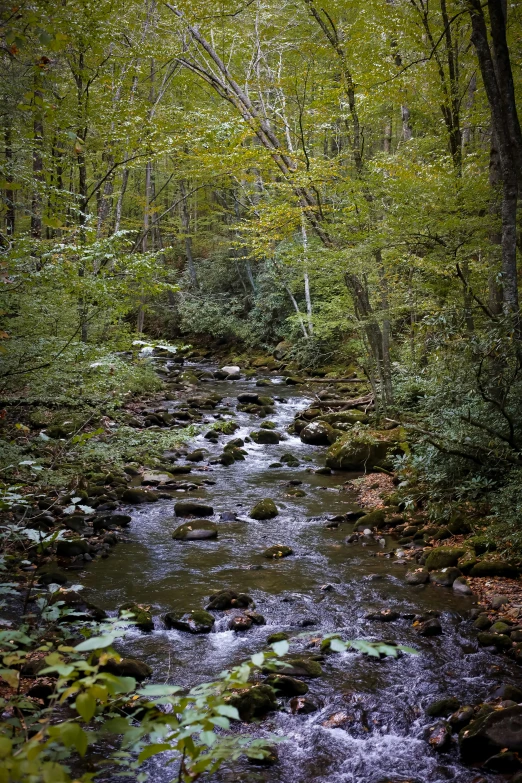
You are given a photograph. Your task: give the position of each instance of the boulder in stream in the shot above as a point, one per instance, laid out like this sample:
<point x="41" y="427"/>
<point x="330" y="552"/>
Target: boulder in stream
<point x="301" y="706"/>
<point x="255" y="701"/>
<point x="444" y="557"/>
<point x="363" y="450"/>
<point x="188" y="508"/>
<point x="487" y="735"/>
<point x="265" y="509"/>
<point x="287" y="686"/>
<point x="318" y="433"/>
<point x="195" y="530"/>
<point x="127" y="667"/>
<point x="229" y="599"/>
<point x="278" y="551"/>
<point x="196" y="621"/>
<point x="134" y="495"/>
<point x="445" y="577"/>
<point x="265" y="437"/>
<point x="141" y="615"/>
<point x="417" y="576"/>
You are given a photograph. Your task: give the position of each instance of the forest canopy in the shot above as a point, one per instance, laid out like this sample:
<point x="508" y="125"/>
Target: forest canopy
<point x="341" y="178"/>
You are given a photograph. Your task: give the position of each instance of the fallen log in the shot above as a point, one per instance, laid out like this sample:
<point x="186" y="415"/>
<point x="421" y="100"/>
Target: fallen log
<point x="335" y="380"/>
<point x="344" y="404"/>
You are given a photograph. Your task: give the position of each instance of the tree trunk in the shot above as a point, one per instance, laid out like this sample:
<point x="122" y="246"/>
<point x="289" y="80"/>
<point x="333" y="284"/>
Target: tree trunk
<point x="38" y="175"/>
<point x="10" y="212"/>
<point x="185" y="222"/>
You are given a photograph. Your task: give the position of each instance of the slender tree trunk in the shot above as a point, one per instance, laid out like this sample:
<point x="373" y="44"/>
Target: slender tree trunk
<point x="10" y="213"/>
<point x="38" y="175"/>
<point x="308" y="298"/>
<point x="185" y="222"/>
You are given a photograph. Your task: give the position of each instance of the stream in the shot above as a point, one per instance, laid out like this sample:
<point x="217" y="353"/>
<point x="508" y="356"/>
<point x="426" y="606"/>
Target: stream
<point x="370" y="725"/>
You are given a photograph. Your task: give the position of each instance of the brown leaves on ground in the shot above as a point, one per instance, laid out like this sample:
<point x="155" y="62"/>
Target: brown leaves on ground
<point x="371" y="489"/>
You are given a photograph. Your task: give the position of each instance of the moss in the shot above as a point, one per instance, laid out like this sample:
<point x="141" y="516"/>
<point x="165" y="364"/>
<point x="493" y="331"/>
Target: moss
<point x="142" y="617"/>
<point x="196" y="621"/>
<point x="443" y="557"/>
<point x="195" y="530"/>
<point x="494" y="568"/>
<point x="265" y="509"/>
<point x="363" y="450"/>
<point x="278" y="551"/>
<point x="375" y="518"/>
<point x="254" y="701"/>
<point x="279" y="636"/>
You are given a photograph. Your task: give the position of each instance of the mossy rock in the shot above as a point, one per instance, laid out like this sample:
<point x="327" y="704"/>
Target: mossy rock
<point x="142" y="617"/>
<point x="71" y="547"/>
<point x="255" y="701"/>
<point x="187" y="508"/>
<point x="196" y="621"/>
<point x="278" y="551"/>
<point x="229" y="599"/>
<point x="443" y="707"/>
<point x="127" y="667"/>
<point x="135" y="496"/>
<point x="289" y="459"/>
<point x="344" y="417"/>
<point x="265" y="437"/>
<point x="287" y="686"/>
<point x="265" y="401"/>
<point x="481" y="544"/>
<point x="500" y="627"/>
<point x="318" y="433"/>
<point x="375" y="518"/>
<point x="195" y="530"/>
<point x="51" y="574"/>
<point x="488" y="734"/>
<point x="265" y="509"/>
<point x="226" y="459"/>
<point x="278" y="636"/>
<point x="498" y="640"/>
<point x="301" y="667"/>
<point x="443" y="557"/>
<point x="467" y="561"/>
<point x="362" y="450"/>
<point x="268" y="425"/>
<point x="494" y="568"/>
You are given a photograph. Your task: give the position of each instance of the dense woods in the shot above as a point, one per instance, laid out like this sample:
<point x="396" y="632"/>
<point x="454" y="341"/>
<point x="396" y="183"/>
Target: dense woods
<point x="334" y="184"/>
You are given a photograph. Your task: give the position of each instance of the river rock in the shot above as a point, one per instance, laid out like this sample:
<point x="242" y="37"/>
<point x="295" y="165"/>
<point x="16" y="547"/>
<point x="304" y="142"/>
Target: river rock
<point x="385" y="615"/>
<point x="195" y="530"/>
<point x="461" y="586"/>
<point x="494" y="568"/>
<point x="440" y="736"/>
<point x="229" y="599"/>
<point x="278" y="636"/>
<point x="135" y="496"/>
<point x="51" y="574"/>
<point x="277" y="551"/>
<point x="249" y="398"/>
<point x="301" y="706"/>
<point x="443" y="707"/>
<point x="357" y="450"/>
<point x="503" y="763"/>
<point x="376" y="518"/>
<point x="196" y="621"/>
<point x="240" y="622"/>
<point x="498" y="640"/>
<point x="300" y="667"/>
<point x="265" y="509"/>
<point x="417" y="576"/>
<point x="265" y="437"/>
<point x="187" y="508"/>
<point x="127" y="667"/>
<point x="318" y="433"/>
<point x="142" y="617"/>
<point x="72" y="547"/>
<point x="262" y="757"/>
<point x="254" y="701"/>
<point x="445" y="577"/>
<point x="431" y="627"/>
<point x="461" y="717"/>
<point x="487" y="735"/>
<point x="443" y="557"/>
<point x="287" y="686"/>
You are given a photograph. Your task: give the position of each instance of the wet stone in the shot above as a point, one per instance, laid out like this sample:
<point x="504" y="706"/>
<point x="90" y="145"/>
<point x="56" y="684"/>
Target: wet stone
<point x="195" y="530"/>
<point x="187" y="508"/>
<point x="196" y="621"/>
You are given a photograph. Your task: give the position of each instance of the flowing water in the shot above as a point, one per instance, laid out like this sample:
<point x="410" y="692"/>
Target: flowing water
<point x="378" y="732"/>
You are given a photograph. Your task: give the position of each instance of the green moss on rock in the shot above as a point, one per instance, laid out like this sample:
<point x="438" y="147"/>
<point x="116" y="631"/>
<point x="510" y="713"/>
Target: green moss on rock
<point x="265" y="509"/>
